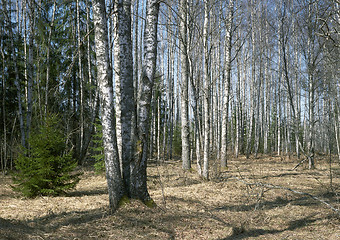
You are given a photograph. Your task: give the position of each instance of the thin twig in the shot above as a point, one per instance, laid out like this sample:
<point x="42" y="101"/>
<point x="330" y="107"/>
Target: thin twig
<point x="271" y="186"/>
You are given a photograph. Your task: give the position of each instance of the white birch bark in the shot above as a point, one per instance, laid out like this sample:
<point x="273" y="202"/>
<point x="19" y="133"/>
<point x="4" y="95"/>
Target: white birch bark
<point x="311" y="88"/>
<point x="113" y="174"/>
<point x="206" y="101"/>
<point x="124" y="85"/>
<point x="227" y="76"/>
<point x="252" y="84"/>
<point x="280" y="44"/>
<point x="117" y="73"/>
<point x="267" y="94"/>
<point x="138" y="166"/>
<point x="81" y="84"/>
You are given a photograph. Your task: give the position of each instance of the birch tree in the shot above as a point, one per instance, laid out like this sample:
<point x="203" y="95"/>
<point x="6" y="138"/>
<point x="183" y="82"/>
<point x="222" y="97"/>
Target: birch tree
<point x="113" y="174"/>
<point x="124" y="86"/>
<point x="228" y="40"/>
<point x="206" y="76"/>
<point x="138" y="166"/>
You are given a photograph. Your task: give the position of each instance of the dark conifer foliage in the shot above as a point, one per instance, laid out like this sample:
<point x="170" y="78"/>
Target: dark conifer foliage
<point x="46" y="167"/>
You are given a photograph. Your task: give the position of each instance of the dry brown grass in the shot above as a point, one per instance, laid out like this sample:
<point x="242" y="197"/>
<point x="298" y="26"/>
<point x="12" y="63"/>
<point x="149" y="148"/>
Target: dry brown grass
<point x="190" y="208"/>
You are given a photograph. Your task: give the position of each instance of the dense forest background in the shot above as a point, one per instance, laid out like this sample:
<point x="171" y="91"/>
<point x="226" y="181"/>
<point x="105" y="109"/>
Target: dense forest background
<point x="233" y="77"/>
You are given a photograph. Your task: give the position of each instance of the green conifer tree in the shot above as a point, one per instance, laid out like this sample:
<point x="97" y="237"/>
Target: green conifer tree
<point x="46" y="167"/>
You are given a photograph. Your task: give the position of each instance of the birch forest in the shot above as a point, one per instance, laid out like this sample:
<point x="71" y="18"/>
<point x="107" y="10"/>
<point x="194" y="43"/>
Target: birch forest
<point x="141" y="87"/>
<point x="232" y="77"/>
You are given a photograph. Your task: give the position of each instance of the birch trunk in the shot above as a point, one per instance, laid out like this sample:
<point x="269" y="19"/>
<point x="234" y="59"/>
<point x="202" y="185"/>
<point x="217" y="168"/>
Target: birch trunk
<point x="206" y="102"/>
<point x="170" y="92"/>
<point x="125" y="87"/>
<point x="280" y="44"/>
<point x="238" y="108"/>
<point x="228" y="38"/>
<point x="81" y="81"/>
<point x="113" y="174"/>
<point x="252" y="84"/>
<point x="267" y="89"/>
<point x="138" y="166"/>
<point x="117" y="73"/>
<point x="311" y="88"/>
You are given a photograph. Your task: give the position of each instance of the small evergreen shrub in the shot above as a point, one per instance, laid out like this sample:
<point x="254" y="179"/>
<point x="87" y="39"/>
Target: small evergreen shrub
<point x="98" y="148"/>
<point x="177" y="141"/>
<point x="45" y="168"/>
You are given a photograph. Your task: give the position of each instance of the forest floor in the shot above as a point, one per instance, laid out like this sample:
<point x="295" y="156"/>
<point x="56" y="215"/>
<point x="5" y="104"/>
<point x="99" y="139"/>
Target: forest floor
<point x="226" y="207"/>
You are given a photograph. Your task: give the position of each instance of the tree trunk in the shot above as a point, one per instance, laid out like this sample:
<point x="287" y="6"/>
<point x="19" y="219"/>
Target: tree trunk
<point x="30" y="69"/>
<point x="252" y="84"/>
<point x="186" y="163"/>
<point x="124" y="86"/>
<point x="48" y="58"/>
<point x="206" y="102"/>
<point x="4" y="144"/>
<point x="113" y="174"/>
<point x="81" y="90"/>
<point x="117" y="75"/>
<point x="138" y="166"/>
<point x="228" y="38"/>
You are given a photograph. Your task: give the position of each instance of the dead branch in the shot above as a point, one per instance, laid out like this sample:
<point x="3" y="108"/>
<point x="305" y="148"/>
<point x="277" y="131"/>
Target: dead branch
<point x="271" y="186"/>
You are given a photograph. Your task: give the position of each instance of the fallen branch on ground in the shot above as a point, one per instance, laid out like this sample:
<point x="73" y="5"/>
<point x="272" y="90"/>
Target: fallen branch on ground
<point x="271" y="186"/>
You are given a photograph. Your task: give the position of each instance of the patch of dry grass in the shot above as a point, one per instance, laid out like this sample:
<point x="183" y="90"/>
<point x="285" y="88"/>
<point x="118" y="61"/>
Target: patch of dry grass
<point x="188" y="207"/>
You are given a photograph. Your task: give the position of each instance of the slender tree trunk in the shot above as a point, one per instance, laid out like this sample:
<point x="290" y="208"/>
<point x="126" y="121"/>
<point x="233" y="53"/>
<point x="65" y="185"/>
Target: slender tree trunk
<point x="311" y="88"/>
<point x="252" y="86"/>
<point x="296" y="114"/>
<point x="18" y="87"/>
<point x="337" y="130"/>
<point x="4" y="149"/>
<point x="113" y="174"/>
<point x="158" y="128"/>
<point x="197" y="126"/>
<point x="206" y="101"/>
<point x="138" y="166"/>
<point x="310" y="145"/>
<point x="280" y="44"/>
<point x="89" y="65"/>
<point x="238" y="109"/>
<point x="48" y="58"/>
<point x="267" y="94"/>
<point x="135" y="77"/>
<point x="82" y="88"/>
<point x="30" y="69"/>
<point x="228" y="38"/>
<point x="125" y="86"/>
<point x="117" y="78"/>
<point x="186" y="163"/>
